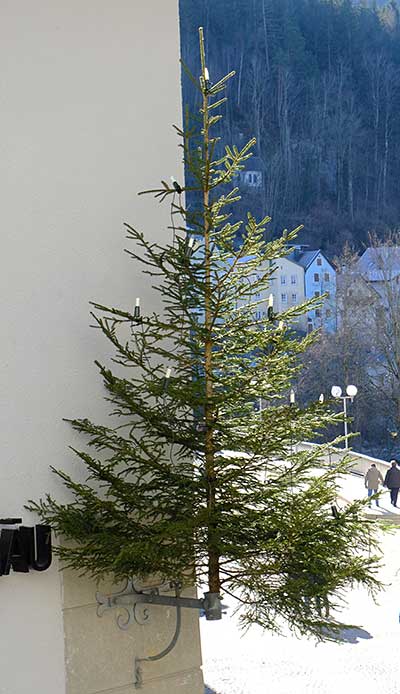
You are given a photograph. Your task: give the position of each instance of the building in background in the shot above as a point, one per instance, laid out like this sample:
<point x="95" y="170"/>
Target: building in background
<point x="380" y="267"/>
<point x="252" y="174"/>
<point x="305" y="274"/>
<point x="358" y="303"/>
<point x="288" y="288"/>
<point x="319" y="280"/>
<point x="301" y="275"/>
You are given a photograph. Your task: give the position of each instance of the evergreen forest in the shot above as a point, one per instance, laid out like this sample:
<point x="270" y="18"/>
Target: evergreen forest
<point x="318" y="84"/>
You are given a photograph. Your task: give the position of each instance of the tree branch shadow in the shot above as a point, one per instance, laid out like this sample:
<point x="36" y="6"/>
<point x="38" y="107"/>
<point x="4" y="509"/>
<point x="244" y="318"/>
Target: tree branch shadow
<point x="353" y="635"/>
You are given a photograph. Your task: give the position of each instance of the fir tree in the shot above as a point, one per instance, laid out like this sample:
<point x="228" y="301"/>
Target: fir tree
<point x="192" y="483"/>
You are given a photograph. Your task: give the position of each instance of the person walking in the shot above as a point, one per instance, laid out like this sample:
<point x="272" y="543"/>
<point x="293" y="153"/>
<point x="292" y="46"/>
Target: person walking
<point x="392" y="482"/>
<point x="373" y="479"/>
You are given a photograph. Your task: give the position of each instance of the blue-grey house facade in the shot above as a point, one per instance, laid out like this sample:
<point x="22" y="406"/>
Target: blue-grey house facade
<point x="319" y="280"/>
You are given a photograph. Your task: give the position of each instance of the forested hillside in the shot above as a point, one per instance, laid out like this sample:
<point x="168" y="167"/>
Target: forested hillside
<point x="318" y="84"/>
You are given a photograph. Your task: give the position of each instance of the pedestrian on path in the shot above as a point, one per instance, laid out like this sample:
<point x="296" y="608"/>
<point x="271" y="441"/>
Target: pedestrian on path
<point x="392" y="482"/>
<point x="373" y="479"/>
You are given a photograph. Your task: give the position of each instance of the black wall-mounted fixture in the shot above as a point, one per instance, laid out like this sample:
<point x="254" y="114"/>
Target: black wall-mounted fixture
<point x="24" y="548"/>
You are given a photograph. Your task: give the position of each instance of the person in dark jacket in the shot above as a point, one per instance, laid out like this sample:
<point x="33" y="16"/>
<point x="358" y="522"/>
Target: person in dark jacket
<point x="392" y="482"/>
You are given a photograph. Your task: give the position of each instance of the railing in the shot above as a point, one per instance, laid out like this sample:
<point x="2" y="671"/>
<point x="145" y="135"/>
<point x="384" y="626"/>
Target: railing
<point x="360" y="463"/>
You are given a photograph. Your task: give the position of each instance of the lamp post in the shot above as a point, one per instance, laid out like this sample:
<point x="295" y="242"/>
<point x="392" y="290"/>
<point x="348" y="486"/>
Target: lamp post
<point x="292" y="401"/>
<point x="351" y="392"/>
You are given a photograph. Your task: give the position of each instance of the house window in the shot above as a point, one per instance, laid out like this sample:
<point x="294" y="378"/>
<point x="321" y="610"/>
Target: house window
<point x="318" y="313"/>
<point x="253" y="178"/>
<point x="316" y="276"/>
<point x="283" y="279"/>
<point x="284" y="298"/>
<point x="294" y="298"/>
<point x="326" y="277"/>
<point x="293" y="279"/>
<point x="317" y="294"/>
<point x="319" y="260"/>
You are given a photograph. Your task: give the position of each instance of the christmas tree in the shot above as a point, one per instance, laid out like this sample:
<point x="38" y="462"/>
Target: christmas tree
<point x="192" y="482"/>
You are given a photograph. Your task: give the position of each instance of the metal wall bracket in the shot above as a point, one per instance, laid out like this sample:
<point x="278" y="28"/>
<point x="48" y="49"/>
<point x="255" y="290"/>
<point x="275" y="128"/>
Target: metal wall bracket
<point x="135" y="604"/>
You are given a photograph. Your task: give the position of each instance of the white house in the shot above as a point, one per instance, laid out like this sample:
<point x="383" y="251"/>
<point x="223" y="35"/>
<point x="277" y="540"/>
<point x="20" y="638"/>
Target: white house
<point x="301" y="275"/>
<point x="319" y="279"/>
<point x="252" y="174"/>
<point x="288" y="287"/>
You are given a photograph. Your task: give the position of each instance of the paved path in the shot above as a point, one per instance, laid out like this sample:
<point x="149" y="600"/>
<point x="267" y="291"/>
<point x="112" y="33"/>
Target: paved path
<point x="352" y="487"/>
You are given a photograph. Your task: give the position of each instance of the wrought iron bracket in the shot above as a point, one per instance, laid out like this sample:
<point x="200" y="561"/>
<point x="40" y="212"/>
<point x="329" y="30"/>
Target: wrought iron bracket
<point x="136" y="604"/>
<point x="130" y="598"/>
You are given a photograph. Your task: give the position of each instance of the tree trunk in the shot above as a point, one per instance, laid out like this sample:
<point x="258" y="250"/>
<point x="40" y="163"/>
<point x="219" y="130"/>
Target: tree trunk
<point x="266" y="46"/>
<point x="350" y="180"/>
<point x="214" y="582"/>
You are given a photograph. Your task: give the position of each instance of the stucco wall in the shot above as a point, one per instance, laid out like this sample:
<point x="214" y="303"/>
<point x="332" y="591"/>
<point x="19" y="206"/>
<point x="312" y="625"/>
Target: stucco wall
<point x="282" y="284"/>
<point x="89" y="90"/>
<point x="322" y="285"/>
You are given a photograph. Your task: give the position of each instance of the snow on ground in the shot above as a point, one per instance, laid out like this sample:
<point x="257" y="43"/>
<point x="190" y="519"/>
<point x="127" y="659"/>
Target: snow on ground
<point x="258" y="662"/>
<point x="352" y="487"/>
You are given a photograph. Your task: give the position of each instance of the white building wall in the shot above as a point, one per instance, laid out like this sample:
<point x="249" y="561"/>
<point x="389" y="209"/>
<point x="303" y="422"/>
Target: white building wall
<point x="89" y="90"/>
<point x="287" y="287"/>
<point x="320" y="278"/>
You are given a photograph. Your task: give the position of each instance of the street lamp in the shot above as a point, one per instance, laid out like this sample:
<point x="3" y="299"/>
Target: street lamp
<point x="351" y="392"/>
<point x="292" y="402"/>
